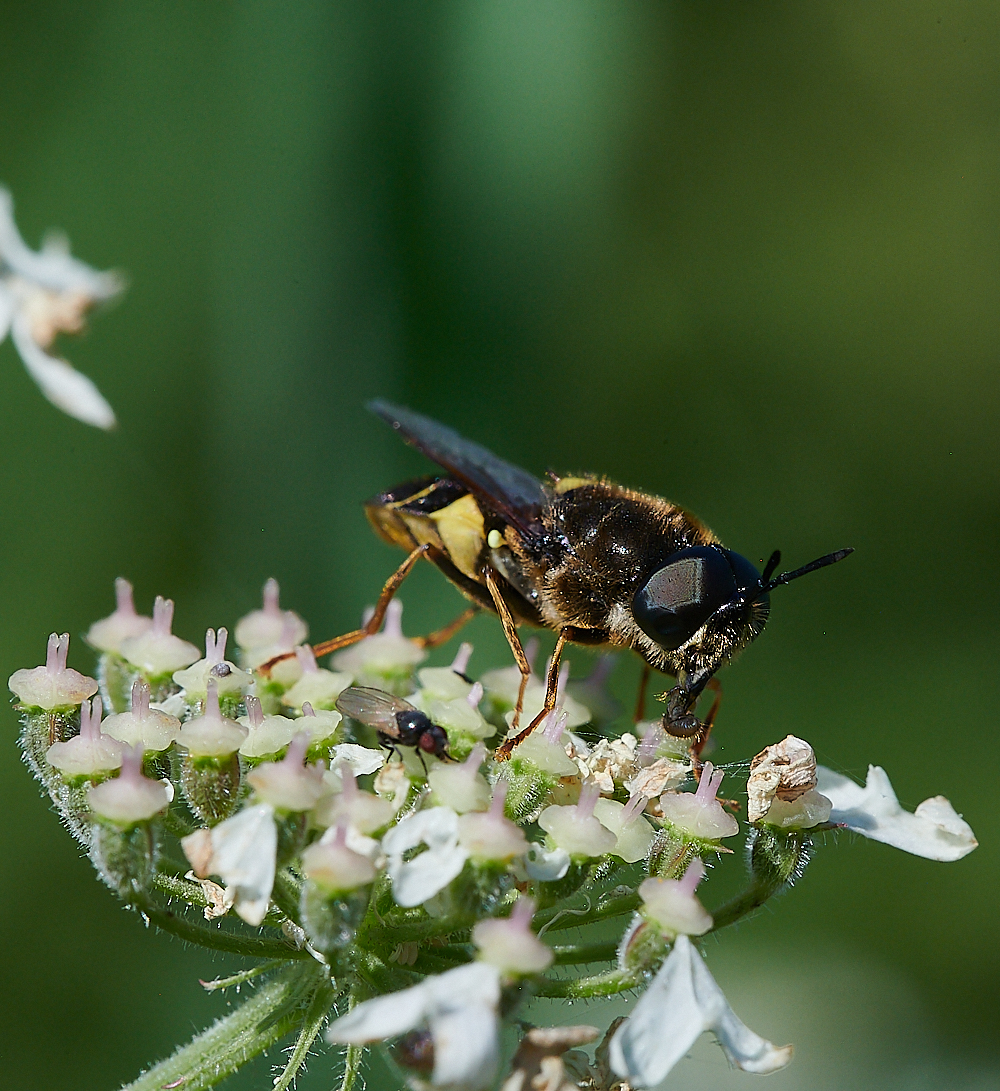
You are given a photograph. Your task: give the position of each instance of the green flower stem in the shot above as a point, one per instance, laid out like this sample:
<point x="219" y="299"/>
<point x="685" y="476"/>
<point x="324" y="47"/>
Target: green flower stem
<point x="609" y="984"/>
<point x="242" y="977"/>
<point x="285" y="895"/>
<point x="175" y="887"/>
<point x="577" y="954"/>
<point x="218" y="940"/>
<point x="777" y="858"/>
<point x="352" y="1068"/>
<point x="267" y="1016"/>
<point x="316" y="1016"/>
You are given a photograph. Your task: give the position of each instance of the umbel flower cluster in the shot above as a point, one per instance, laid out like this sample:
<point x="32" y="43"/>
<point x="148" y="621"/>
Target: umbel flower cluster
<point x="386" y="897"/>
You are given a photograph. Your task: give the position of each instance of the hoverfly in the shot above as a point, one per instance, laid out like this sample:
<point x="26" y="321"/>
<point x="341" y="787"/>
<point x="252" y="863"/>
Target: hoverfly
<point x="396" y="721"/>
<point x="596" y="562"/>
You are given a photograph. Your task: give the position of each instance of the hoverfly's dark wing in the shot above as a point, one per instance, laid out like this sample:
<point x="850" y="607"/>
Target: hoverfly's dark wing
<point x="373" y="707"/>
<point x="510" y="491"/>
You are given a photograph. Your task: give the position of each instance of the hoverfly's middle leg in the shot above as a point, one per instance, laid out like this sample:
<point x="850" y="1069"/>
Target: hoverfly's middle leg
<point x="504" y="751"/>
<point x="443" y="635"/>
<point x="510" y="632"/>
<point x="374" y="623"/>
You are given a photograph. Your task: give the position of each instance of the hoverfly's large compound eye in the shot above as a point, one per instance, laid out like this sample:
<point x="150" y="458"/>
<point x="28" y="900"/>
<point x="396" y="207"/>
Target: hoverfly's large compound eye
<point x="676" y="600"/>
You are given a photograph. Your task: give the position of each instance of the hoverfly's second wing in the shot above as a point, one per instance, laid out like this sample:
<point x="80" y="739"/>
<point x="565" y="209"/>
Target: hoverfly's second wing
<point x="512" y="492"/>
<point x="373" y="707"/>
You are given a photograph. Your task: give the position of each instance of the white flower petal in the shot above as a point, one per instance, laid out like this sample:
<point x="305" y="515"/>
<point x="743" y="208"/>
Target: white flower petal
<point x="437" y="827"/>
<point x="682" y="1002"/>
<point x="934" y="831"/>
<point x="544" y="864"/>
<point x="63" y="385"/>
<point x="416" y="880"/>
<point x="6" y="310"/>
<point x="362" y="759"/>
<point x="464" y="1025"/>
<point x="243" y="854"/>
<point x="382" y="1017"/>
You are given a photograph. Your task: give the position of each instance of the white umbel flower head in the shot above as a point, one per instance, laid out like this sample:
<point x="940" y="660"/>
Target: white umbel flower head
<point x="131" y="797"/>
<point x="699" y="813"/>
<point x="460" y="1010"/>
<point x="143" y="726"/>
<point x="107" y="634"/>
<point x="55" y="685"/>
<point x="933" y="830"/>
<point x="509" y="943"/>
<point x="682" y="1002"/>
<point x="89" y="754"/>
<point x="229" y="679"/>
<point x="43" y="294"/>
<point x="415" y="881"/>
<point x="241" y="851"/>
<point x="211" y="735"/>
<point x="157" y="651"/>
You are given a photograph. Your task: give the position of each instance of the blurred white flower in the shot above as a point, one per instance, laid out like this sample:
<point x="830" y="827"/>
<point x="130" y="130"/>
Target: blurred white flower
<point x="43" y="294"/>
<point x="682" y="1002"/>
<point x="460" y="1010"/>
<point x="416" y="880"/>
<point x="933" y="830"/>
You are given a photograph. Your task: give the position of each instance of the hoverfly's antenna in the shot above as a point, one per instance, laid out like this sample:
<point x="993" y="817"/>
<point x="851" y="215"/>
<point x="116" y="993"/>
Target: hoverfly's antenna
<point x="767" y="584"/>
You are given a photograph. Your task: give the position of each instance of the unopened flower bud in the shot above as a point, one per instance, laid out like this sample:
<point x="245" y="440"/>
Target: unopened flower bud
<point x="288" y="785"/>
<point x="229" y="679"/>
<point x="142" y="726"/>
<point x="271" y="625"/>
<point x="781" y="787"/>
<point x="489" y="835"/>
<point x="323" y="725"/>
<point x="130" y="797"/>
<point x="212" y="735"/>
<point x="385" y="659"/>
<point x="510" y="945"/>
<point x="157" y="651"/>
<point x="364" y="811"/>
<point x="333" y="866"/>
<point x="107" y="634"/>
<point x="544" y="747"/>
<point x="671" y="903"/>
<point x="575" y="829"/>
<point x="699" y="814"/>
<point x="459" y="716"/>
<point x="319" y="687"/>
<point x="266" y="735"/>
<point x="460" y="785"/>
<point x="55" y="685"/>
<point x="89" y="754"/>
<point x="447" y="683"/>
<point x="625" y="821"/>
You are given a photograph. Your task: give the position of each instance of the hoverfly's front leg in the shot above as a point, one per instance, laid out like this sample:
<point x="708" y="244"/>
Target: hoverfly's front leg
<point x="506" y="748"/>
<point x="374" y="623"/>
<point x="680" y="721"/>
<point x="510" y="632"/>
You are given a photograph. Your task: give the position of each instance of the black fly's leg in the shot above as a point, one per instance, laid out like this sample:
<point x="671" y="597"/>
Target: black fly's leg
<point x="374" y="623"/>
<point x="510" y="632"/>
<point x="640" y="701"/>
<point x="442" y="636"/>
<point x="504" y="751"/>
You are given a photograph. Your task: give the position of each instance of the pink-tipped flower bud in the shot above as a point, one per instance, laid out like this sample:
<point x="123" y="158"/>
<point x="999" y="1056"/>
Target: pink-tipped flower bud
<point x="55" y="685"/>
<point x="335" y="868"/>
<point x="212" y="735"/>
<point x="387" y="655"/>
<point x="447" y="683"/>
<point x="545" y="747"/>
<point x="319" y="687"/>
<point x="491" y="835"/>
<point x="288" y="785"/>
<point x="576" y="829"/>
<point x="625" y="821"/>
<point x="266" y="735"/>
<point x="699" y="814"/>
<point x="459" y="785"/>
<point x="157" y="651"/>
<point x="89" y="754"/>
<point x="142" y="726"/>
<point x="364" y="811"/>
<point x="107" y="634"/>
<point x="672" y="906"/>
<point x="510" y="945"/>
<point x="229" y="679"/>
<point x="130" y="797"/>
<point x="323" y="725"/>
<point x="271" y="626"/>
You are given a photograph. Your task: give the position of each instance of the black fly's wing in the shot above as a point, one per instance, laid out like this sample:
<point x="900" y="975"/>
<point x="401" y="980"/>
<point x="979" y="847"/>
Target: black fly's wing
<point x="373" y="707"/>
<point x="511" y="492"/>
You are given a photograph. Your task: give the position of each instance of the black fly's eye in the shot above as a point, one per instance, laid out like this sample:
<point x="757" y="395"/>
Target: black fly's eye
<point x="674" y="603"/>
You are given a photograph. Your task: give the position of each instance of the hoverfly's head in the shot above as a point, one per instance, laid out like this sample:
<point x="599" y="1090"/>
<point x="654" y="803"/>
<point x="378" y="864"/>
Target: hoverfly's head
<point x="715" y="589"/>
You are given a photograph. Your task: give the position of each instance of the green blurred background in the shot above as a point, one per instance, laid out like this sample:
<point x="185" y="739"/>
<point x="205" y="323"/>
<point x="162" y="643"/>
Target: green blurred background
<point x="743" y="255"/>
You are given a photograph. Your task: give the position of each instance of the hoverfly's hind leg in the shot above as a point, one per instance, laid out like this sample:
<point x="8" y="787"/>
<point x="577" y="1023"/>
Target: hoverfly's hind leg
<point x="510" y="632"/>
<point x="640" y="701"/>
<point x="371" y="626"/>
<point x="504" y="751"/>
<point x="443" y="635"/>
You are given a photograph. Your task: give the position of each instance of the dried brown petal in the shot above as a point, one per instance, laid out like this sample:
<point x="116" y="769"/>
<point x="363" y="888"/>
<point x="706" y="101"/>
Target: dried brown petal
<point x="783" y="771"/>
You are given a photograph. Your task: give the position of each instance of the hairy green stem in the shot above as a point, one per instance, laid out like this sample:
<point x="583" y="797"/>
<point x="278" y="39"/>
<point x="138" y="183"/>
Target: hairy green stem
<point x="554" y="921"/>
<point x="264" y="1018"/>
<point x="218" y="940"/>
<point x="608" y="984"/>
<point x="577" y="954"/>
<point x="242" y="977"/>
<point x="352" y="1067"/>
<point x="316" y="1016"/>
